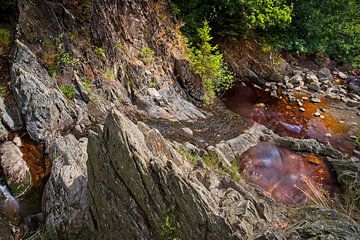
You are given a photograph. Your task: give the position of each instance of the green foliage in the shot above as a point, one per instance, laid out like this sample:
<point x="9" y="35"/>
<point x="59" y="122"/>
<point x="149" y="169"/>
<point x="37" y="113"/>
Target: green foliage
<point x="174" y="9"/>
<point x="206" y="61"/>
<point x="318" y="26"/>
<point x="87" y="85"/>
<point x="193" y="158"/>
<point x="5" y="40"/>
<point x="147" y="55"/>
<point x="3" y="90"/>
<point x="109" y="74"/>
<point x="101" y="52"/>
<point x="66" y="58"/>
<point x="168" y="227"/>
<point x="234" y="17"/>
<point x="73" y="36"/>
<point x="68" y="91"/>
<point x="119" y="45"/>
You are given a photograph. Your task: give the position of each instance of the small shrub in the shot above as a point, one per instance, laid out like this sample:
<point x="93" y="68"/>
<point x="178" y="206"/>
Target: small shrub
<point x="174" y="9"/>
<point x="118" y="45"/>
<point x="66" y="58"/>
<point x="168" y="227"/>
<point x="73" y="36"/>
<point x="68" y="91"/>
<point x="100" y="52"/>
<point x="109" y="74"/>
<point x="193" y="158"/>
<point x="3" y="90"/>
<point x="147" y="55"/>
<point x="52" y="71"/>
<point x="87" y="85"/>
<point x="5" y="40"/>
<point x="209" y="64"/>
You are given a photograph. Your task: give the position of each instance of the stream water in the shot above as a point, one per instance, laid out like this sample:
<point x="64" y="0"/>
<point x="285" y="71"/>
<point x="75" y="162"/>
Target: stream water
<point x="291" y="178"/>
<point x="17" y="208"/>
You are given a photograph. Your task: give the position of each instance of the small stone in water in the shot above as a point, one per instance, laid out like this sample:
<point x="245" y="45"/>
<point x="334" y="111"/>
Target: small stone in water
<point x="299" y="103"/>
<point x="328" y="134"/>
<point x="317" y="114"/>
<point x="322" y="116"/>
<point x="315" y="100"/>
<point x="304" y="98"/>
<point x="302" y="109"/>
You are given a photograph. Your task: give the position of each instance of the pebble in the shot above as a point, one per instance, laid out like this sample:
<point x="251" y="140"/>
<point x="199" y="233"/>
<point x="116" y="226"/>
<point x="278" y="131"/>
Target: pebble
<point x="304" y="98"/>
<point x="322" y="116"/>
<point x="302" y="109"/>
<point x="317" y="114"/>
<point x="289" y="86"/>
<point x="299" y="103"/>
<point x="342" y="75"/>
<point x="315" y="100"/>
<point x="328" y="134"/>
<point x="353" y="137"/>
<point x="323" y="110"/>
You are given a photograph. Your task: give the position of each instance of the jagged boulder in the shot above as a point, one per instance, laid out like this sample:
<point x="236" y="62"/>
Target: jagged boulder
<point x="43" y="108"/>
<point x="139" y="180"/>
<point x="65" y="201"/>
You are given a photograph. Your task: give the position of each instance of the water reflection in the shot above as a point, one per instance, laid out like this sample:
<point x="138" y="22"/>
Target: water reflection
<point x="285" y="119"/>
<point x="288" y="177"/>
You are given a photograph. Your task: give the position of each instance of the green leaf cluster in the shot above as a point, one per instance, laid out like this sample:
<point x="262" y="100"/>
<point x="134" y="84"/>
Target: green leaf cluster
<point x="206" y="61"/>
<point x="331" y="27"/>
<point x="234" y="17"/>
<point x="68" y="91"/>
<point x="5" y="40"/>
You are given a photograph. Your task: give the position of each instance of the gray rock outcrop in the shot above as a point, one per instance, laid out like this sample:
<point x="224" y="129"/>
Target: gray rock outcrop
<point x="43" y="108"/>
<point x="147" y="181"/>
<point x="65" y="200"/>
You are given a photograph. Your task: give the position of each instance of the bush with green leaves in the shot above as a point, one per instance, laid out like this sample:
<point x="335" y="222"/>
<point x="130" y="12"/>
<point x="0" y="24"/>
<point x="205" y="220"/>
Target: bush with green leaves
<point x="234" y="17"/>
<point x="66" y="58"/>
<point x="206" y="61"/>
<point x="5" y="40"/>
<point x="147" y="55"/>
<point x="331" y="27"/>
<point x="100" y="52"/>
<point x="68" y="91"/>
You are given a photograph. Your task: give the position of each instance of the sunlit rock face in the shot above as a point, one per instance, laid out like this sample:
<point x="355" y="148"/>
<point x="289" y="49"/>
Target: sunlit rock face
<point x="288" y="177"/>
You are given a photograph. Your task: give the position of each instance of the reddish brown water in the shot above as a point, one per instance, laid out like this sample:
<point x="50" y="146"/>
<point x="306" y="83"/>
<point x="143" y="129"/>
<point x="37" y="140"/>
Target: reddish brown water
<point x="288" y="177"/>
<point x="286" y="119"/>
